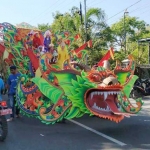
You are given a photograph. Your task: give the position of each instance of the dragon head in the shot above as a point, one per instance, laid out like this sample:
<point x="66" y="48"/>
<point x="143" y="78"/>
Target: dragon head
<point x="102" y="100"/>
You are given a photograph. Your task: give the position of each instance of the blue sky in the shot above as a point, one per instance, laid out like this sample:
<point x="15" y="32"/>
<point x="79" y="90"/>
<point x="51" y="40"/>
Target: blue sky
<point x="40" y="11"/>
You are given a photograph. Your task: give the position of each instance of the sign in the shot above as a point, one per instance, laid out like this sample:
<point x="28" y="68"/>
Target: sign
<point x="5" y="112"/>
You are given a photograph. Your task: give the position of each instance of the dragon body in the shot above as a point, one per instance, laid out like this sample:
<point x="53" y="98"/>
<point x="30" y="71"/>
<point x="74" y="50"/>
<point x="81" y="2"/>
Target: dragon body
<point x="51" y="93"/>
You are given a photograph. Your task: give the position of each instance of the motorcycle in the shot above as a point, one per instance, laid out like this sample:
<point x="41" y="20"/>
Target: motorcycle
<point x="140" y="89"/>
<point x="4" y="110"/>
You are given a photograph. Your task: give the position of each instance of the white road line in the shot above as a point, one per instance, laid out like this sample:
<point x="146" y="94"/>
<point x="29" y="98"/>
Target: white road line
<point x="99" y="133"/>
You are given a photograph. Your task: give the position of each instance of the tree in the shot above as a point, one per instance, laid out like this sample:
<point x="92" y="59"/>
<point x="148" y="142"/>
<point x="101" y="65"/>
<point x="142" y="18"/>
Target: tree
<point x="44" y="27"/>
<point x="134" y="29"/>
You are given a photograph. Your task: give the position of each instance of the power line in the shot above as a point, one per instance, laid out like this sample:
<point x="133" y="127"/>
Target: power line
<point x="123" y="10"/>
<point x="139" y="8"/>
<point x="134" y="11"/>
<point x="95" y="3"/>
<point x="58" y="6"/>
<point x="35" y="18"/>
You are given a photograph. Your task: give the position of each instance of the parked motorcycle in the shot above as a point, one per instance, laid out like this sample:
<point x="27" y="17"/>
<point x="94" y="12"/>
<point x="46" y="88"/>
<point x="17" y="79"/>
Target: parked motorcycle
<point x="3" y="123"/>
<point x="141" y="88"/>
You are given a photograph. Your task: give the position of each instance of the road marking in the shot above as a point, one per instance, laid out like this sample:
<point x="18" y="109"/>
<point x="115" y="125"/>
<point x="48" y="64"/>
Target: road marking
<point x="99" y="133"/>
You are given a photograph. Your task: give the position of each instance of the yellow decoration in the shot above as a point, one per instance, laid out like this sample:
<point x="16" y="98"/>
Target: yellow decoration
<point x="38" y="73"/>
<point x="62" y="56"/>
<point x="6" y="54"/>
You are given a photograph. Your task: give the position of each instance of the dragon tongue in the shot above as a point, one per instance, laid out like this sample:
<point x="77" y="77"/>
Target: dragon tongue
<point x="114" y="108"/>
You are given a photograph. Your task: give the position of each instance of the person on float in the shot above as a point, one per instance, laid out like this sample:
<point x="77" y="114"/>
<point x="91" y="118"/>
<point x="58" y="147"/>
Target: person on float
<point x="47" y="40"/>
<point x="53" y="52"/>
<point x="62" y="54"/>
<point x="29" y="39"/>
<point x="37" y="40"/>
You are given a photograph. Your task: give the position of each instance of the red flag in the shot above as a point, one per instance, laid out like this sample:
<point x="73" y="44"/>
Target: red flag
<point x="80" y="48"/>
<point x="77" y="52"/>
<point x="67" y="42"/>
<point x="107" y="56"/>
<point x="77" y="36"/>
<point x="89" y="43"/>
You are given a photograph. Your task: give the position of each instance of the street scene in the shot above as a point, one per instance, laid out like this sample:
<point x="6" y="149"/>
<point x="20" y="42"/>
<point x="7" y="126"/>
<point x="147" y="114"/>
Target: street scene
<point x="75" y="75"/>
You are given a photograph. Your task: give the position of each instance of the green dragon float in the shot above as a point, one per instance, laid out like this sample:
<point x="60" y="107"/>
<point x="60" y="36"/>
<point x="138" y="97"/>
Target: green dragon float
<point x="51" y="93"/>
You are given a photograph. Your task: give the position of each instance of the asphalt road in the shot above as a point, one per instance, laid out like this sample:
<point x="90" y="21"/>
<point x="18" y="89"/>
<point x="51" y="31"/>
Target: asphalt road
<point x="86" y="133"/>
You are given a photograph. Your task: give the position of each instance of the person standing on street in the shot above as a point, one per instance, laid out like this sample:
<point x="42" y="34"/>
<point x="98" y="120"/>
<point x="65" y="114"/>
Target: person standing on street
<point x="1" y="87"/>
<point x="12" y="84"/>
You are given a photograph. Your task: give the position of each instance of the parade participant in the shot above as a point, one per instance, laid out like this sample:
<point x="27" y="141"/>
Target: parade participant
<point x="47" y="40"/>
<point x="1" y="87"/>
<point x="51" y="48"/>
<point x="62" y="54"/>
<point x="11" y="84"/>
<point x="36" y="40"/>
<point x="54" y="53"/>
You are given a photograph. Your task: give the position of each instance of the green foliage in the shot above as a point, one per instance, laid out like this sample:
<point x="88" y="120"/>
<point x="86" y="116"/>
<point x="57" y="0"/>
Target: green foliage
<point x="44" y="27"/>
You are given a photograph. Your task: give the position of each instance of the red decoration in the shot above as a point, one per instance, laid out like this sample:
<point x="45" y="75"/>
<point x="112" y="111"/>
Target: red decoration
<point x="107" y="56"/>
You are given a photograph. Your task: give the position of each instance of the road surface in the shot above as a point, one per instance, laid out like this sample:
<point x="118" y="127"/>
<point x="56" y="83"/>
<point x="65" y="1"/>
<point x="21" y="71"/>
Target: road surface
<point x="86" y="133"/>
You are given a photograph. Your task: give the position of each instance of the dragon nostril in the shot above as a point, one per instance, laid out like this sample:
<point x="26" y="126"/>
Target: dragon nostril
<point x="110" y="83"/>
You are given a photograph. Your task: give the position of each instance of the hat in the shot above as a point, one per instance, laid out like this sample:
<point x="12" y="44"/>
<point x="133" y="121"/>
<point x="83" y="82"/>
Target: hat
<point x="35" y="33"/>
<point x="31" y="32"/>
<point x="13" y="67"/>
<point x="47" y="33"/>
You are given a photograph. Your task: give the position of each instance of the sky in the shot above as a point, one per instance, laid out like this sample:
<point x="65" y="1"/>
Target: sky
<point x="37" y="12"/>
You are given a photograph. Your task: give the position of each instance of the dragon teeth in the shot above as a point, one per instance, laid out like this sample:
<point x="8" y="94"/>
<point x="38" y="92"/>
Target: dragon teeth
<point x="92" y="95"/>
<point x="99" y="108"/>
<point x="105" y="95"/>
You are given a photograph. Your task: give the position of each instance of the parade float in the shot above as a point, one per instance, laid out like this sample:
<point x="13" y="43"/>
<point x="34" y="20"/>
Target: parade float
<point x="54" y="89"/>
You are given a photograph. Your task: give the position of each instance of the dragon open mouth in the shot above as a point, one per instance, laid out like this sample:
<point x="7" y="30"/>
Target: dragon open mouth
<point x="104" y="104"/>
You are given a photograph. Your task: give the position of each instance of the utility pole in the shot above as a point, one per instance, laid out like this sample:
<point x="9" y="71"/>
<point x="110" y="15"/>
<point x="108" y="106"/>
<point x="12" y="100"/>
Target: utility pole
<point x="125" y="30"/>
<point x="80" y="13"/>
<point x="85" y="25"/>
<point x="85" y="21"/>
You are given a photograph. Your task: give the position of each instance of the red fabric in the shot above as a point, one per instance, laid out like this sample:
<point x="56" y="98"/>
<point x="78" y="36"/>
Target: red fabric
<point x="2" y="48"/>
<point x="107" y="56"/>
<point x="77" y="36"/>
<point x="10" y="56"/>
<point x="67" y="42"/>
<point x="80" y="48"/>
<point x="42" y="39"/>
<point x="33" y="58"/>
<point x="37" y="41"/>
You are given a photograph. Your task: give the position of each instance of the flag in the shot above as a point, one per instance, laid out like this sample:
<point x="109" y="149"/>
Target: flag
<point x="107" y="56"/>
<point x="89" y="43"/>
<point x="67" y="42"/>
<point x="80" y="48"/>
<point x="77" y="52"/>
<point x="77" y="36"/>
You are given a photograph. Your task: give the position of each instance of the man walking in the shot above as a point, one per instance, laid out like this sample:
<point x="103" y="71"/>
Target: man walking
<point x="12" y="83"/>
<point x="1" y="87"/>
